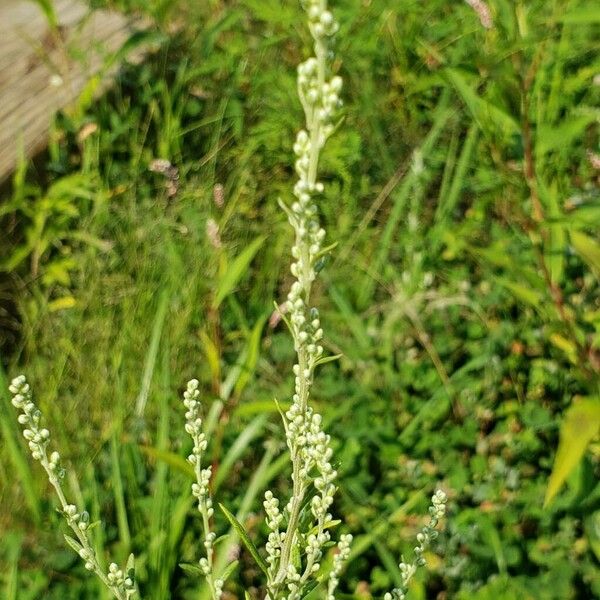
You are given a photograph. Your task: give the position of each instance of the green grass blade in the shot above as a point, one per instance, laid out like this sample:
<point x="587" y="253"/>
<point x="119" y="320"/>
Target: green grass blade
<point x="159" y="321"/>
<point x="401" y="196"/>
<point x="252" y="354"/>
<point x="242" y="442"/>
<point x="236" y="270"/>
<point x="119" y="494"/>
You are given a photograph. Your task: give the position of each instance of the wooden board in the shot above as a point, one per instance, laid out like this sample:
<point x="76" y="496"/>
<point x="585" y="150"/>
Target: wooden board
<point x="43" y="70"/>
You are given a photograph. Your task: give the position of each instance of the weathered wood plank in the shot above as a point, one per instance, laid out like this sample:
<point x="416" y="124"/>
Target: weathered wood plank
<point x="42" y="71"/>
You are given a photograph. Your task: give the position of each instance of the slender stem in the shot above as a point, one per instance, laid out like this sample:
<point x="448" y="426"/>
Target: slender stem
<point x="83" y="539"/>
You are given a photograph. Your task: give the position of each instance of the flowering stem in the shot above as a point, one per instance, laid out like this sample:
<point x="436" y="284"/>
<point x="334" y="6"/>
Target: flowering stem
<point x="308" y="445"/>
<point x="437" y="510"/>
<point x="122" y="586"/>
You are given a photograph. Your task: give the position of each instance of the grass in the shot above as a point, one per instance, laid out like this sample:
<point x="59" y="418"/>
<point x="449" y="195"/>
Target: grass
<point x="459" y="358"/>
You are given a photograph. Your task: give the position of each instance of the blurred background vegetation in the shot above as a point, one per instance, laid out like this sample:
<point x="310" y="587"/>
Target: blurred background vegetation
<point x="463" y="294"/>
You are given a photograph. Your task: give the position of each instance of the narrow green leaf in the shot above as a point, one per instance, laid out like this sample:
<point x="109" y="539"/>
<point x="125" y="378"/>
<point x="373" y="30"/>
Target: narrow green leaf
<point x="521" y="292"/>
<point x="47" y="7"/>
<point x="329" y="525"/>
<point x="252" y="354"/>
<point x="211" y="354"/>
<point x="263" y="474"/>
<point x="245" y="539"/>
<point x="353" y="321"/>
<point x="130" y="563"/>
<point x="170" y="458"/>
<point x="139" y="40"/>
<point x="73" y="543"/>
<point x="11" y="580"/>
<point x="328" y="359"/>
<point x="258" y="406"/>
<point x="236" y="270"/>
<point x="592" y="529"/>
<point x="557" y="241"/>
<point x="580" y="426"/>
<point x="119" y="493"/>
<point x="151" y="354"/>
<point x="325" y="251"/>
<point x="296" y="558"/>
<point x="551" y="138"/>
<point x="484" y="112"/>
<point x="231" y="567"/>
<point x="191" y="569"/>
<point x="389" y="562"/>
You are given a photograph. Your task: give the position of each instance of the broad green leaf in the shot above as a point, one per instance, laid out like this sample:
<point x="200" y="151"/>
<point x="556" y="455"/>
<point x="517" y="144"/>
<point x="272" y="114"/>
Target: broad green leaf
<point x="239" y="528"/>
<point x="587" y="248"/>
<point x="236" y="270"/>
<point x="580" y="425"/>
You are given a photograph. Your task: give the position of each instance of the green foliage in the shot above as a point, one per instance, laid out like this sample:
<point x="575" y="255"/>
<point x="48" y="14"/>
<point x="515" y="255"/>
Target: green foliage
<point x="464" y="292"/>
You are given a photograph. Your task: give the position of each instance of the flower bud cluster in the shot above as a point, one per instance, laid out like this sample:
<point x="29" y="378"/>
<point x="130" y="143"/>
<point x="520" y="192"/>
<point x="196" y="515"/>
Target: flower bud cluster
<point x="37" y="437"/>
<point x="319" y="453"/>
<point x="276" y="537"/>
<point x="437" y="510"/>
<point x="80" y="520"/>
<point x="342" y="555"/>
<point x="200" y="488"/>
<point x="89" y="558"/>
<point x="320" y="20"/>
<point x="321" y="101"/>
<point x="193" y="426"/>
<point x="124" y="583"/>
<point x="294" y="581"/>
